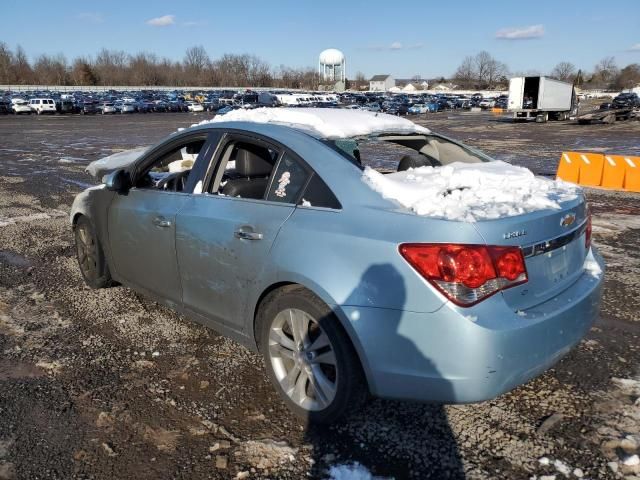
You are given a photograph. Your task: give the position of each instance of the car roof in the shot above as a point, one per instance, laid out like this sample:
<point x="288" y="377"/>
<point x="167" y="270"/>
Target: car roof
<point x="324" y="123"/>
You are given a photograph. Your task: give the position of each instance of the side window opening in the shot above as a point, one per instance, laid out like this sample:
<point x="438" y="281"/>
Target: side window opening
<point x="171" y="170"/>
<point x="246" y="170"/>
<point x="318" y="194"/>
<point x="289" y="180"/>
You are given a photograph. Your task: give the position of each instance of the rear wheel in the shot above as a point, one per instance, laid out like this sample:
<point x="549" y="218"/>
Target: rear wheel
<point x="308" y="356"/>
<point x="542" y="117"/>
<point x="91" y="259"/>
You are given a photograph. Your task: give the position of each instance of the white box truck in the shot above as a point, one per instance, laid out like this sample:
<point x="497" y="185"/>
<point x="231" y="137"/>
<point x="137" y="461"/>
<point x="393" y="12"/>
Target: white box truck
<point x="542" y="98"/>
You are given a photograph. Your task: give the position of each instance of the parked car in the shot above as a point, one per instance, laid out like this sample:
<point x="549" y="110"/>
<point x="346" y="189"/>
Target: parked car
<point x="626" y="100"/>
<point x="487" y="103"/>
<point x="142" y="106"/>
<point x="397" y="109"/>
<point x="42" y="105"/>
<point x="418" y="108"/>
<point x="194" y="107"/>
<point x="125" y="107"/>
<point x="65" y="105"/>
<point x="5" y="107"/>
<point x="501" y="102"/>
<point x="106" y="108"/>
<point x="224" y="109"/>
<point x="273" y="238"/>
<point x="87" y="107"/>
<point x="20" y="106"/>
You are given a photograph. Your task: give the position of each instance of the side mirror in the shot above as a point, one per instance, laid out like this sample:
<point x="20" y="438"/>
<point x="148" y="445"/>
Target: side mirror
<point x="117" y="181"/>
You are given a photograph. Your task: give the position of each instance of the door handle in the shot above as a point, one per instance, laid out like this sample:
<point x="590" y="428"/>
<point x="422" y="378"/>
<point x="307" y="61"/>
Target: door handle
<point x="247" y="235"/>
<point x="161" y="222"/>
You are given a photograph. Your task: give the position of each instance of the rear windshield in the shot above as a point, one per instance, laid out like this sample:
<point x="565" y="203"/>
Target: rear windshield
<point x="386" y="153"/>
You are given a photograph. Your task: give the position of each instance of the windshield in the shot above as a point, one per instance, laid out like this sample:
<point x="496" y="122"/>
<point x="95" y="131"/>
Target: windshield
<point x="385" y="152"/>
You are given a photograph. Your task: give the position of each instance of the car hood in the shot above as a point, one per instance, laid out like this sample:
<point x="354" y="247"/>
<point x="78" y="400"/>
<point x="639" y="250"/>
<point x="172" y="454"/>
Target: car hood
<point x="103" y="166"/>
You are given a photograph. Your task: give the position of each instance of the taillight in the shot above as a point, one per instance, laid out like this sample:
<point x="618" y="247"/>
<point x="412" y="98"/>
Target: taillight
<point x="466" y="274"/>
<point x="587" y="231"/>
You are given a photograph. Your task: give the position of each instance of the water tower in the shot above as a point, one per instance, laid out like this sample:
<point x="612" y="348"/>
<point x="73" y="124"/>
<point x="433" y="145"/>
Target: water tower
<point x="332" y="68"/>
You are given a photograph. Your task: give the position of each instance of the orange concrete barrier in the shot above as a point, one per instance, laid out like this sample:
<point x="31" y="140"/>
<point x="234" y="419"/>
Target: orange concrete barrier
<point x="591" y="169"/>
<point x="613" y="172"/>
<point x="632" y="174"/>
<point x="619" y="172"/>
<point x="497" y="110"/>
<point x="568" y="168"/>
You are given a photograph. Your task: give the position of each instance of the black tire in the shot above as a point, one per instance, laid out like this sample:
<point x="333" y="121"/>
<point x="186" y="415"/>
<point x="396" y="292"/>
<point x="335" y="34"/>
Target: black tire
<point x="91" y="259"/>
<point x="351" y="388"/>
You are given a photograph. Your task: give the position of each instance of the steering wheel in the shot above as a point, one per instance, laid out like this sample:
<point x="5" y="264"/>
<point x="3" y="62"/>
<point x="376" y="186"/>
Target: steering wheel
<point x="175" y="182"/>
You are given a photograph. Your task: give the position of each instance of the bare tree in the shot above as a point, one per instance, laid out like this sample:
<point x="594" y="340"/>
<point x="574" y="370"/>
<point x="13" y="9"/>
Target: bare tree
<point x="195" y="62"/>
<point x="359" y="80"/>
<point x="82" y="72"/>
<point x="51" y="70"/>
<point x="628" y="77"/>
<point x="496" y="72"/>
<point x="565" y="71"/>
<point x="6" y="62"/>
<point x="466" y="73"/>
<point x="22" y="70"/>
<point x="111" y="67"/>
<point x="481" y="71"/>
<point x="605" y="70"/>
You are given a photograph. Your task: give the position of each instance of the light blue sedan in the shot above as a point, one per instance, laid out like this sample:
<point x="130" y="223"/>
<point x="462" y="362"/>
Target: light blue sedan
<point x="266" y="232"/>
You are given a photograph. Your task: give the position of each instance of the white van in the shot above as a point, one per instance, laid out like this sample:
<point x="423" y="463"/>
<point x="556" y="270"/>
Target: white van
<point x="42" y="105"/>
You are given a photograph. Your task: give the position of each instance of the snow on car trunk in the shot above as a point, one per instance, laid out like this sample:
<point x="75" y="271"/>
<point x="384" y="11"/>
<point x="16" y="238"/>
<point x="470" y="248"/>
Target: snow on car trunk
<point x="507" y="205"/>
<point x="470" y="192"/>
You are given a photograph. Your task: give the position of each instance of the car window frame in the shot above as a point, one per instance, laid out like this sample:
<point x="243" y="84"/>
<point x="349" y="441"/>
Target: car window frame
<point x="143" y="164"/>
<point x="227" y="139"/>
<point x="229" y="135"/>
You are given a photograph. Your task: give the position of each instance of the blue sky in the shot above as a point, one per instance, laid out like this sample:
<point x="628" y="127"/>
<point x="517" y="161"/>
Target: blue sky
<point x="403" y="38"/>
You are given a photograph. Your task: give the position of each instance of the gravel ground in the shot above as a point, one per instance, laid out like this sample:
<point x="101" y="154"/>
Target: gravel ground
<point x="106" y="384"/>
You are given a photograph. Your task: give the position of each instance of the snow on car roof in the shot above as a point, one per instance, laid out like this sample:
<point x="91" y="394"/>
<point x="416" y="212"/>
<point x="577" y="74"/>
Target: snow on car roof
<point x="329" y="123"/>
<point x="471" y="191"/>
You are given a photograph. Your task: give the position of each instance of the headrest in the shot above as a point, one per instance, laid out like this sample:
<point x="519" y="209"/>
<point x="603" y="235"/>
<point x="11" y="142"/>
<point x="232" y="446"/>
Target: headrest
<point x="413" y="161"/>
<point x="251" y="161"/>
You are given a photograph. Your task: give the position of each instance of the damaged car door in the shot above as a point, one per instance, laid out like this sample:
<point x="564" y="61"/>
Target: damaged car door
<point x="224" y="236"/>
<point x="141" y="221"/>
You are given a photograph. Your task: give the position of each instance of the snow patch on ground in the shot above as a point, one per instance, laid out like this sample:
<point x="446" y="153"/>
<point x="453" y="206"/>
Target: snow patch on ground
<point x="325" y="122"/>
<point x="71" y="160"/>
<point x="471" y="191"/>
<point x="354" y="471"/>
<point x="33" y="217"/>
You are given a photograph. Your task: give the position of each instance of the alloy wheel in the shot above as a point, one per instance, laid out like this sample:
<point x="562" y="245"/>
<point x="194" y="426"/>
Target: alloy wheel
<point x="303" y="359"/>
<point x="87" y="251"/>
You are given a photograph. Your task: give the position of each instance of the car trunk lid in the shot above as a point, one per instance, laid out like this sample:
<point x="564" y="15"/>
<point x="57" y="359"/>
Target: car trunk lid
<point x="553" y="244"/>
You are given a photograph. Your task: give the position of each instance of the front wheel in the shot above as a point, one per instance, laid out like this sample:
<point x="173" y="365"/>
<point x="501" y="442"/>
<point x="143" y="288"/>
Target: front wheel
<point x="91" y="259"/>
<point x="308" y="356"/>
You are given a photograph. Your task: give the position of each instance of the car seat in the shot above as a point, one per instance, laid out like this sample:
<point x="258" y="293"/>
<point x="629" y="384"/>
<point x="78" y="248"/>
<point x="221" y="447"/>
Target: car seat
<point x="253" y="169"/>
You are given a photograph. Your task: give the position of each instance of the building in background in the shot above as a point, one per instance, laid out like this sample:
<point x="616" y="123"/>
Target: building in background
<point x="381" y="83"/>
<point x="332" y="70"/>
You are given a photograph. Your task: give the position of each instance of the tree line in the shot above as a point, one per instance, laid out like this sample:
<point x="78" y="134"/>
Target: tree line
<point x="115" y="67"/>
<point x="483" y="71"/>
<point x="197" y="68"/>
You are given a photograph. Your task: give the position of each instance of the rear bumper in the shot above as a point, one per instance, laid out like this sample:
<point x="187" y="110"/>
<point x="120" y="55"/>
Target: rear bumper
<point x="457" y="355"/>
